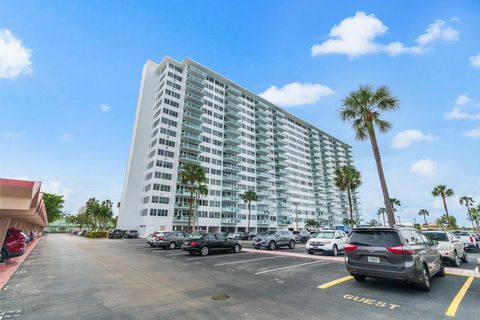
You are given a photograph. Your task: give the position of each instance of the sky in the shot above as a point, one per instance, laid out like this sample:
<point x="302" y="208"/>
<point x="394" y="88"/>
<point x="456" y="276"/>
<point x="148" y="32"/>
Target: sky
<point x="70" y="75"/>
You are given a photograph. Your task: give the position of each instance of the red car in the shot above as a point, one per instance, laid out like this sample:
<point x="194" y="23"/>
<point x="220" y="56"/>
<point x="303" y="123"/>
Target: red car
<point x="13" y="245"/>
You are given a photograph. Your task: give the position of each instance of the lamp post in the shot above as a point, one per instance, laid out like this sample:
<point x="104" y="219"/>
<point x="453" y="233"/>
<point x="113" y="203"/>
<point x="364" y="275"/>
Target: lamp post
<point x="296" y="213"/>
<point x="399" y="221"/>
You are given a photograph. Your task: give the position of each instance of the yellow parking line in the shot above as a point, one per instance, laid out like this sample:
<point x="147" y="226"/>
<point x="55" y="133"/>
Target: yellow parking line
<point x="452" y="309"/>
<point x="461" y="275"/>
<point x="334" y="282"/>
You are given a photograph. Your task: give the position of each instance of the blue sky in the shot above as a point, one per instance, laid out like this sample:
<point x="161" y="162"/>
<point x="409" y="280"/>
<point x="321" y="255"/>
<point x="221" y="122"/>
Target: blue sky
<point x="70" y="75"/>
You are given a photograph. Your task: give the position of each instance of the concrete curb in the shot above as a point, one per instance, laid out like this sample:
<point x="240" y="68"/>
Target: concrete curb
<point x="8" y="269"/>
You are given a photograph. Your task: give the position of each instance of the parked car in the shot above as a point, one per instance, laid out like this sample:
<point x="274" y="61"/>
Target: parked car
<point x="151" y="237"/>
<point x="131" y="234"/>
<point x="301" y="236"/>
<point x="13" y="245"/>
<point x="210" y="242"/>
<point x="170" y="240"/>
<point x="327" y="241"/>
<point x="81" y="232"/>
<point x="466" y="238"/>
<point x="450" y="247"/>
<point x="115" y="234"/>
<point x="234" y="236"/>
<point x="393" y="252"/>
<point x="274" y="239"/>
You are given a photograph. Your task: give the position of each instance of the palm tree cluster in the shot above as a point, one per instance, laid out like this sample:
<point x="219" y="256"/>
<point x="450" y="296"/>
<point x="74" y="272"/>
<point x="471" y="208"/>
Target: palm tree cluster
<point x="97" y="215"/>
<point x="248" y="197"/>
<point x="347" y="178"/>
<point x="193" y="177"/>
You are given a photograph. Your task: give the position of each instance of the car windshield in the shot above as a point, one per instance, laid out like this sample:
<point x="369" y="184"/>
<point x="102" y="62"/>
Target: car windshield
<point x="268" y="233"/>
<point x="164" y="234"/>
<point x="437" y="236"/>
<point x="325" y="235"/>
<point x="375" y="238"/>
<point x="461" y="233"/>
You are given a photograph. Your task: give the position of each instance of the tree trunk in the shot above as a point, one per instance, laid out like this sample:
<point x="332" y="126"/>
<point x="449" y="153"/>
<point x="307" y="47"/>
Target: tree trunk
<point x="350" y="204"/>
<point x="446" y="210"/>
<point x="383" y="183"/>
<point x="425" y="217"/>
<point x="191" y="207"/>
<point x="383" y="213"/>
<point x="470" y="215"/>
<point x="248" y="224"/>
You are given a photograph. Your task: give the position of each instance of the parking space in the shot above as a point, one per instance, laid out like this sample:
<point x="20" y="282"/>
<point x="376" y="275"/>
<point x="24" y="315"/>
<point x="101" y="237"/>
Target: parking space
<point x="128" y="279"/>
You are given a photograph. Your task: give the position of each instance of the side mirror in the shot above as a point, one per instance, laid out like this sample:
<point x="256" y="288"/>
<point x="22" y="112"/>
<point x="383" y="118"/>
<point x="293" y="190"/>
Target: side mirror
<point x="338" y="237"/>
<point x="435" y="242"/>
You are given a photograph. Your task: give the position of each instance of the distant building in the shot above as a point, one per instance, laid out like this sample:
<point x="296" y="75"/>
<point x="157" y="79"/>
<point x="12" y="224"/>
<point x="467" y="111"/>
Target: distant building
<point x="188" y="113"/>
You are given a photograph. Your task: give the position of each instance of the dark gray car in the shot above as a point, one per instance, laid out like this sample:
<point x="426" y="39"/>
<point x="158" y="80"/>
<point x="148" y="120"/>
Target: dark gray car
<point x="170" y="240"/>
<point x="396" y="253"/>
<point x="274" y="239"/>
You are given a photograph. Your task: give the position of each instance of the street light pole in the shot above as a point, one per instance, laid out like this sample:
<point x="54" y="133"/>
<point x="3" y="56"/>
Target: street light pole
<point x="399" y="221"/>
<point x="296" y="213"/>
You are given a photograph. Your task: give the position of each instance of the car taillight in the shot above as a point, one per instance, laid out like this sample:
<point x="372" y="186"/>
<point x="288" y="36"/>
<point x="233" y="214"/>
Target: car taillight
<point x="471" y="239"/>
<point x="400" y="250"/>
<point x="349" y="247"/>
<point x="193" y="243"/>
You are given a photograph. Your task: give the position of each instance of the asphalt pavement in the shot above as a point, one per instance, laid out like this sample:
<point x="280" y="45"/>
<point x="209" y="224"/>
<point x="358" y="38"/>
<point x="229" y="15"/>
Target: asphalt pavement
<point x="70" y="277"/>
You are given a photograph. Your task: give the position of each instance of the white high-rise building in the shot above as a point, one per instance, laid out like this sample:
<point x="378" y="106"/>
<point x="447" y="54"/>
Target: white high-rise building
<point x="188" y="113"/>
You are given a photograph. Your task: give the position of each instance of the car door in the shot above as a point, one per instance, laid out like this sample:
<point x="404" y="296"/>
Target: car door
<point x="340" y="239"/>
<point x="457" y="244"/>
<point x="223" y="242"/>
<point x="432" y="256"/>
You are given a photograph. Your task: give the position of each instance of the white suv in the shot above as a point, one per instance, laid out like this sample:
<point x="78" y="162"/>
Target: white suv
<point x="327" y="241"/>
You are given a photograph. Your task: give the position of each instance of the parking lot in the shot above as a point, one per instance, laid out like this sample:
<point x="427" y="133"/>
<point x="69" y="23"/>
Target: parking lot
<point x="74" y="277"/>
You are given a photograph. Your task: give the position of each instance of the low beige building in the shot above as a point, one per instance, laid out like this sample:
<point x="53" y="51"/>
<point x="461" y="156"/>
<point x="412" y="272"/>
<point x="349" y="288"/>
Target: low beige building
<point x="21" y="206"/>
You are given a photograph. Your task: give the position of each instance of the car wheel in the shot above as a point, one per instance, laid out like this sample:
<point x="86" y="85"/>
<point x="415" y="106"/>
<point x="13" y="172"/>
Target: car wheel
<point x="256" y="248"/>
<point x="465" y="258"/>
<point x="291" y="245"/>
<point x="191" y="252"/>
<point x="335" y="250"/>
<point x="425" y="285"/>
<point x="204" y="251"/>
<point x="3" y="255"/>
<point x="309" y="251"/>
<point x="441" y="272"/>
<point x="456" y="260"/>
<point x="151" y="245"/>
<point x="172" y="245"/>
<point x="236" y="248"/>
<point x="272" y="246"/>
<point x="359" y="278"/>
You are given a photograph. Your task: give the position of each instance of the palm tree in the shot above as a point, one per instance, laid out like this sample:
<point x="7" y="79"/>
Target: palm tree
<point x="248" y="197"/>
<point x="442" y="191"/>
<point x="363" y="109"/>
<point x="347" y="178"/>
<point x="192" y="174"/>
<point x="468" y="201"/>
<point x="347" y="221"/>
<point x="382" y="211"/>
<point x="424" y="213"/>
<point x="201" y="189"/>
<point x="475" y="214"/>
<point x="379" y="213"/>
<point x="395" y="202"/>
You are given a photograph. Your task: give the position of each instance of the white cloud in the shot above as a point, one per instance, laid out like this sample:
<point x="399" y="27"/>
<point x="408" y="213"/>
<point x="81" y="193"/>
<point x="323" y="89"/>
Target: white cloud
<point x="408" y="137"/>
<point x="15" y="59"/>
<point x="475" y="133"/>
<point x="295" y="94"/>
<point x="475" y="60"/>
<point x="67" y="138"/>
<point x="424" y="167"/>
<point x="12" y="135"/>
<point x="438" y="30"/>
<point x="458" y="114"/>
<point x="57" y="187"/>
<point x="355" y="36"/>
<point x="104" y="107"/>
<point x="462" y="99"/>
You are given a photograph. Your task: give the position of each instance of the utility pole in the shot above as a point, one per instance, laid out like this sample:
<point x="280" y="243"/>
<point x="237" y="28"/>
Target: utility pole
<point x="296" y="213"/>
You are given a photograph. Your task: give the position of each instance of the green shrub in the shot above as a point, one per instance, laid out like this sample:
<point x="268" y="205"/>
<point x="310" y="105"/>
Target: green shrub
<point x="96" y="234"/>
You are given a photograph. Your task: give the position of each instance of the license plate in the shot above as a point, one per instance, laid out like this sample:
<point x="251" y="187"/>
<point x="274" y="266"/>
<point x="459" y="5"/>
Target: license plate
<point x="373" y="259"/>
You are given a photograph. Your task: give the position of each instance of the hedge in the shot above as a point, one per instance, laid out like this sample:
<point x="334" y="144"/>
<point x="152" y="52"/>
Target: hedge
<point x="96" y="234"/>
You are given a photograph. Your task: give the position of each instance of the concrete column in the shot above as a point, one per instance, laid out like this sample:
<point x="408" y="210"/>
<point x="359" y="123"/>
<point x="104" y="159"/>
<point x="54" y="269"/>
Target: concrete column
<point x="4" y="225"/>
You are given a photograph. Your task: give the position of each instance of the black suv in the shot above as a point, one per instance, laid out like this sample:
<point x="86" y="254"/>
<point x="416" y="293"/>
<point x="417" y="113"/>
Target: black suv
<point x="131" y="234"/>
<point x="395" y="253"/>
<point x="115" y="234"/>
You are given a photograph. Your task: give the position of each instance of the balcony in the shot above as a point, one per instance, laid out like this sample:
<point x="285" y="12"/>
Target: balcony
<point x="182" y="205"/>
<point x="196" y="80"/>
<point x="227" y="167"/>
<point x="263" y="222"/>
<point x="232" y="140"/>
<point x="231" y="177"/>
<point x="190" y="147"/>
<point x="192" y="127"/>
<point x="230" y="187"/>
<point x="196" y="72"/>
<point x="235" y="100"/>
<point x="230" y="209"/>
<point x="231" y="158"/>
<point x="263" y="175"/>
<point x="281" y="187"/>
<point x="231" y="198"/>
<point x="262" y="142"/>
<point x="191" y="137"/>
<point x="284" y="222"/>
<point x="231" y="149"/>
<point x="264" y="184"/>
<point x="281" y="156"/>
<point x="261" y="121"/>
<point x="263" y="167"/>
<point x="263" y="159"/>
<point x="231" y="132"/>
<point x="280" y="164"/>
<point x="195" y="98"/>
<point x="193" y="117"/>
<point x="280" y="142"/>
<point x="191" y="87"/>
<point x="231" y="114"/>
<point x="230" y="220"/>
<point x="232" y="123"/>
<point x="233" y="91"/>
<point x="193" y="106"/>
<point x="235" y="108"/>
<point x="188" y="157"/>
<point x="181" y="218"/>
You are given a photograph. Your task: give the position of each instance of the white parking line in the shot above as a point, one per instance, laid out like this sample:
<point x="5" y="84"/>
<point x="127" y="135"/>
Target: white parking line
<point x="212" y="257"/>
<point x="244" y="261"/>
<point x="176" y="254"/>
<point x="289" y="267"/>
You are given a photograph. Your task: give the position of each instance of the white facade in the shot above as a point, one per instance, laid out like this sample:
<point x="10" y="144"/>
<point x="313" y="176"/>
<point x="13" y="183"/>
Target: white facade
<point x="188" y="113"/>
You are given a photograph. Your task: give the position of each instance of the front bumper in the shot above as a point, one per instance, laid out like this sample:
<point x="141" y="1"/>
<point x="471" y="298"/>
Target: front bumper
<point x="260" y="244"/>
<point x="319" y="248"/>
